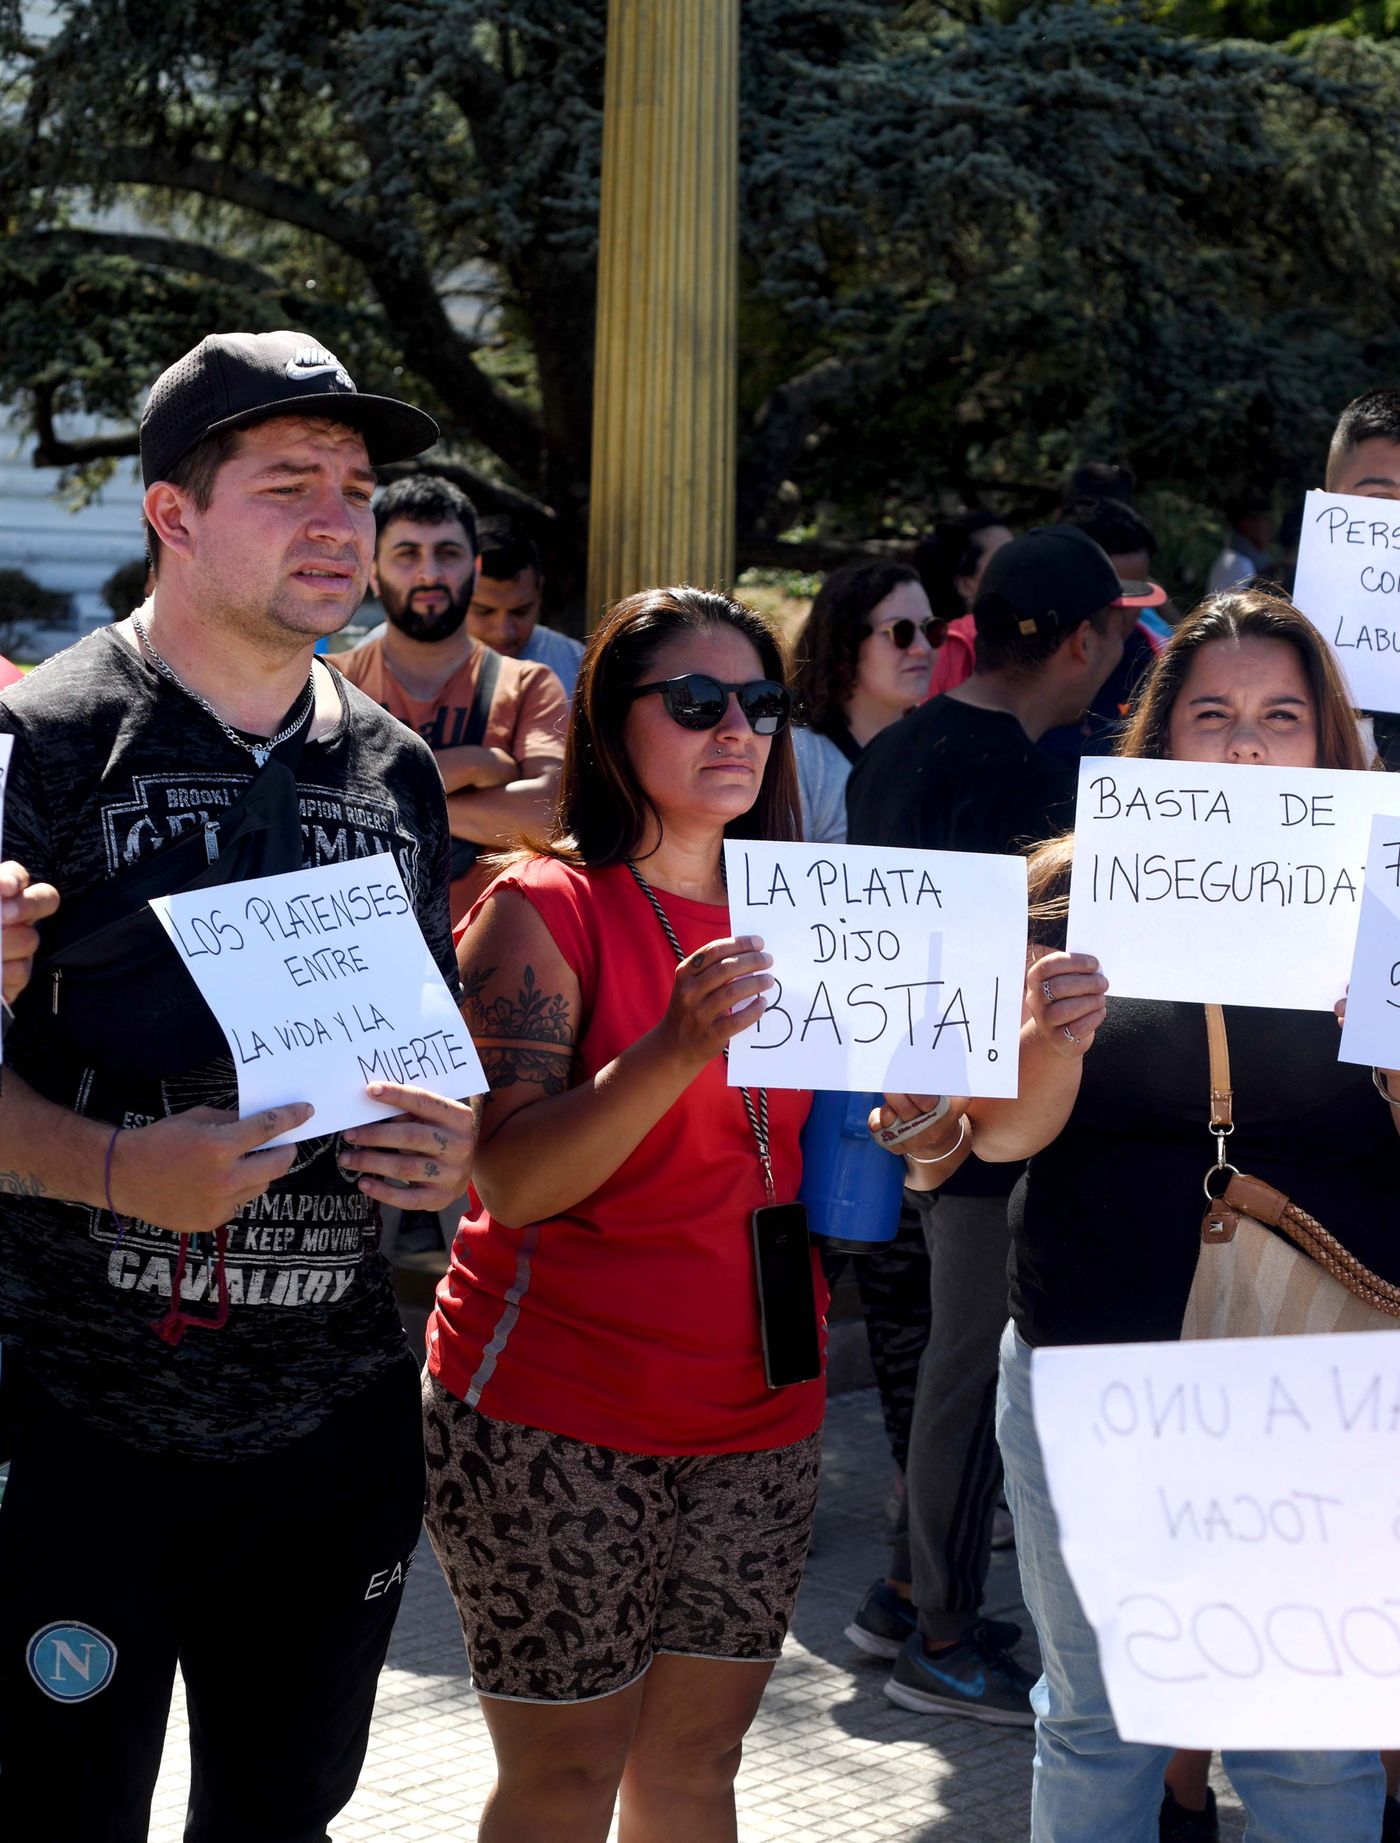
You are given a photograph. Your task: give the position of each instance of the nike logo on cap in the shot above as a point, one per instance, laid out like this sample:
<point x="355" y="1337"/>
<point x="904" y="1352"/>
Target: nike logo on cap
<point x="317" y="362"/>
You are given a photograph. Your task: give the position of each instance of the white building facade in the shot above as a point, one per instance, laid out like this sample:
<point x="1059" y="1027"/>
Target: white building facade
<point x="73" y="551"/>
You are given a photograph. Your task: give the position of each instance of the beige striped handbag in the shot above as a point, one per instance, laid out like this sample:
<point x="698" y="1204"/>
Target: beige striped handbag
<point x="1251" y="1282"/>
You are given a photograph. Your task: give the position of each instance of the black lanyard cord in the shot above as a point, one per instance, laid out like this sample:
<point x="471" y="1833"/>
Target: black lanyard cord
<point x="758" y="1120"/>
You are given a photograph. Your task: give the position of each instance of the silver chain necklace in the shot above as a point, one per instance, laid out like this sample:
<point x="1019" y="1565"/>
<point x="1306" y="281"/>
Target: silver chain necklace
<point x="258" y="750"/>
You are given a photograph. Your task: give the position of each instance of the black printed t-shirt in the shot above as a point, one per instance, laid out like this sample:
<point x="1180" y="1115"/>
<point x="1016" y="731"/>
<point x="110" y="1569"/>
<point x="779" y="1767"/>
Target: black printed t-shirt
<point x="1106" y="1221"/>
<point x="952" y="777"/>
<point x="110" y="763"/>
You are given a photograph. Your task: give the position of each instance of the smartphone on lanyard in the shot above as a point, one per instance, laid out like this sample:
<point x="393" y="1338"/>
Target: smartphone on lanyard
<point x="787" y="1302"/>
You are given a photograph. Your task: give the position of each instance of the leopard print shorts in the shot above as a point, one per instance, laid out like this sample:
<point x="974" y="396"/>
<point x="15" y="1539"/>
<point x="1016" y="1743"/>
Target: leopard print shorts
<point x="572" y="1565"/>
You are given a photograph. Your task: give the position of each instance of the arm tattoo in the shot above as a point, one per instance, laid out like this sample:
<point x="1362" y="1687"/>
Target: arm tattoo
<point x="525" y="1039"/>
<point x="548" y="1070"/>
<point x="20" y="1184"/>
<point x="471" y="997"/>
<point x="532" y="1015"/>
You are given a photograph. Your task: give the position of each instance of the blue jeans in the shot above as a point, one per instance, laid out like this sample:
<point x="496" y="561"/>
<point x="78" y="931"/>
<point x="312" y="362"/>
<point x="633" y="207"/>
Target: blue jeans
<point x="1092" y="1787"/>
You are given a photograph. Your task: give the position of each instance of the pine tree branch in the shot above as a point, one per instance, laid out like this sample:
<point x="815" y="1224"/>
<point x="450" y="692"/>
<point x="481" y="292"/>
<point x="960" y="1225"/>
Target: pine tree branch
<point x="51" y="451"/>
<point x="270" y="198"/>
<point x="407" y="290"/>
<point x="160" y="252"/>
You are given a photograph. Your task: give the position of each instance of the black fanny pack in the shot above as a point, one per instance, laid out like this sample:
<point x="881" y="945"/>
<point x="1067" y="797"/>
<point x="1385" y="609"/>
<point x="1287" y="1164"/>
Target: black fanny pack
<point x="109" y="991"/>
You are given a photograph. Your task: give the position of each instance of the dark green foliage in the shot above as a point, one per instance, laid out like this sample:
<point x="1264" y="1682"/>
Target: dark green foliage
<point x="978" y="241"/>
<point x="1070" y="234"/>
<point x="125" y="588"/>
<point x="349" y="168"/>
<point x="25" y="603"/>
<point x="1275" y="19"/>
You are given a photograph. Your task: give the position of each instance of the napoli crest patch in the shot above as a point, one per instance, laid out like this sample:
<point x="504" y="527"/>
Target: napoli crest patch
<point x="71" y="1662"/>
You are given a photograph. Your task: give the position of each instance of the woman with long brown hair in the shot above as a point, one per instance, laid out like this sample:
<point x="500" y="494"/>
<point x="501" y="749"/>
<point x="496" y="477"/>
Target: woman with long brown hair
<point x="620" y="1502"/>
<point x="1106" y="1222"/>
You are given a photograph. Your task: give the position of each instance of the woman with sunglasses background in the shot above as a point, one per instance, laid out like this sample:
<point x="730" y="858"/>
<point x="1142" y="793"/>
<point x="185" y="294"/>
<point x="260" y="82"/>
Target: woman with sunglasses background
<point x="863" y="658"/>
<point x="619" y="1501"/>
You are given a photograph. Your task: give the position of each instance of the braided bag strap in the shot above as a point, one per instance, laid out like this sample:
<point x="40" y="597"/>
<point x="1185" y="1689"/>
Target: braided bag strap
<point x="1251" y="1197"/>
<point x="1324" y="1248"/>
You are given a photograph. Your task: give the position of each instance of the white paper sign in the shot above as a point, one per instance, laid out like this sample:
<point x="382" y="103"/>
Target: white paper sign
<point x="1371" y="1033"/>
<point x="1348" y="585"/>
<point x="1230" y="1518"/>
<point x="898" y="971"/>
<point x="1214" y="884"/>
<point x="322" y="981"/>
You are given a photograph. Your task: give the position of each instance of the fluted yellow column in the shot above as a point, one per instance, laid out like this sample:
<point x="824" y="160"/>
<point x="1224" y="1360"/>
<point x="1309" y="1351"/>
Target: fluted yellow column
<point x="662" y="502"/>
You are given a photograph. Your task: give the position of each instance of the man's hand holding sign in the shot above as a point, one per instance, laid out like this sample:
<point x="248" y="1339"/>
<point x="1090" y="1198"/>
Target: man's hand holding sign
<point x="325" y="988"/>
<point x="23" y="905"/>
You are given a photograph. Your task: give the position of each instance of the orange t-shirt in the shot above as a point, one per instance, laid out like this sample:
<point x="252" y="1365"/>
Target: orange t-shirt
<point x="631" y="1320"/>
<point x="528" y="717"/>
<point x="954" y="661"/>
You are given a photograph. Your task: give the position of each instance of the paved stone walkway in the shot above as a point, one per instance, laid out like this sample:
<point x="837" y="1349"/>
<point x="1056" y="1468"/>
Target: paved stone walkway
<point x="829" y="1757"/>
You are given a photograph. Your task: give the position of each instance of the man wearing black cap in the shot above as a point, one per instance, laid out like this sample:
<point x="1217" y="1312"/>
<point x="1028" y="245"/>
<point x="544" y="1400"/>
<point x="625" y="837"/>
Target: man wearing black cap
<point x="964" y="773"/>
<point x="1129" y="542"/>
<point x="209" y="1403"/>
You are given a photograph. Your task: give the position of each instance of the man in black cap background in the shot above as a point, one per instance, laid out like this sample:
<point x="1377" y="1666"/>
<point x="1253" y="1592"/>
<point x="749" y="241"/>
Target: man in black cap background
<point x="964" y="773"/>
<point x="212" y="1408"/>
<point x="1130" y="543"/>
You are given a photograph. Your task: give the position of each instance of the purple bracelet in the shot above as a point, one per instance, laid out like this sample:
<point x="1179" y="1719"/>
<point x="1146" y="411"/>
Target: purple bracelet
<point x="107" y="1186"/>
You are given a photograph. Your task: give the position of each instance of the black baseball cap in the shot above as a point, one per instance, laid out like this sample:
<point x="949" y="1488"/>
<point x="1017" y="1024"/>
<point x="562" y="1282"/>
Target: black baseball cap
<point x="232" y="379"/>
<point x="1048" y="581"/>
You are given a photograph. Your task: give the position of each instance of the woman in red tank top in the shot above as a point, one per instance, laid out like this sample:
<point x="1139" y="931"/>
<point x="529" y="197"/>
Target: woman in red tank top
<point x="620" y="1503"/>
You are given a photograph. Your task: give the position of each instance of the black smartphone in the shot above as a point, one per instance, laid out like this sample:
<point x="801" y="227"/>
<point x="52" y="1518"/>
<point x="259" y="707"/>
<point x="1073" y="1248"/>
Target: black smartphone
<point x="787" y="1302"/>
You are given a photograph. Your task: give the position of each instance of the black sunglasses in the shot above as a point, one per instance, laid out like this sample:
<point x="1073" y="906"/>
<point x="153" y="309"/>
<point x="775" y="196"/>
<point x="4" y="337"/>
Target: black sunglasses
<point x="902" y="631"/>
<point x="698" y="702"/>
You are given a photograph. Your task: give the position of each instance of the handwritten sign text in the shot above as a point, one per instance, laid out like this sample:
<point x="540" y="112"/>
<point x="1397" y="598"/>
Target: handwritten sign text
<point x="897" y="971"/>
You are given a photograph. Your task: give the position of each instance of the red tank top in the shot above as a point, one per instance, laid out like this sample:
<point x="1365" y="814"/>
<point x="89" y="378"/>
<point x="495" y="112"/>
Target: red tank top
<point x="631" y="1320"/>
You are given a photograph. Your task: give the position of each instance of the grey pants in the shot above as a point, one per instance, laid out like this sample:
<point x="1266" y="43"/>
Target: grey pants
<point x="943" y="1541"/>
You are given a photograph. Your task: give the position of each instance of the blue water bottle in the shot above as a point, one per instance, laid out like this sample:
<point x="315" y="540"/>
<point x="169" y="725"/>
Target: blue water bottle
<point x="852" y="1187"/>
